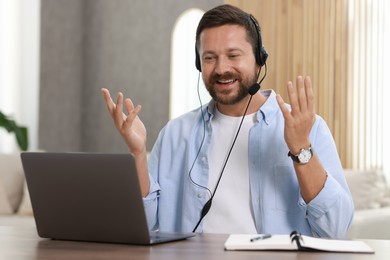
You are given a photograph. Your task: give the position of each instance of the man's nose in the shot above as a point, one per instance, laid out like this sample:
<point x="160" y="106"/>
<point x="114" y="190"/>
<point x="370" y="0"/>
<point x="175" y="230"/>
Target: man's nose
<point x="222" y="65"/>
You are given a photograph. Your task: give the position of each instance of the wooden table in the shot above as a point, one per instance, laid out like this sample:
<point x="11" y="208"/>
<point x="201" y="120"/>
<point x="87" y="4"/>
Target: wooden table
<point x="24" y="243"/>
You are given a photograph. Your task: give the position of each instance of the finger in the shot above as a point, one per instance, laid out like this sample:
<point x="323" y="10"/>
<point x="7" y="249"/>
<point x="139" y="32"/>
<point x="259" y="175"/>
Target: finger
<point x="129" y="106"/>
<point x="292" y="95"/>
<point x="309" y="94"/>
<point x="301" y="94"/>
<point x="132" y="112"/>
<point x="109" y="103"/>
<point x="119" y="117"/>
<point x="283" y="107"/>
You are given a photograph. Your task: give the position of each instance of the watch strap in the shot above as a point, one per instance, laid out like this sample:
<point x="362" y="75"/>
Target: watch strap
<point x="293" y="157"/>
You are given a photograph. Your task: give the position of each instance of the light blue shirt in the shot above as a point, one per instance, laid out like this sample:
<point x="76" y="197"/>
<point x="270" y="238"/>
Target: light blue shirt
<point x="176" y="198"/>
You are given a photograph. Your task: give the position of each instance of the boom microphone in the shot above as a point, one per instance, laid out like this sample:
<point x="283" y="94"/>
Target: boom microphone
<point x="253" y="89"/>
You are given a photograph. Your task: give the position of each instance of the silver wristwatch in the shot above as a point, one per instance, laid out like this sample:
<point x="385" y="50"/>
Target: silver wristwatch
<point x="303" y="156"/>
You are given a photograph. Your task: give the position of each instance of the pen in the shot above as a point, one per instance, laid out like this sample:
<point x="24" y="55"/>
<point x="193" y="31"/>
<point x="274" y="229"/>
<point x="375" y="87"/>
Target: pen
<point x="261" y="237"/>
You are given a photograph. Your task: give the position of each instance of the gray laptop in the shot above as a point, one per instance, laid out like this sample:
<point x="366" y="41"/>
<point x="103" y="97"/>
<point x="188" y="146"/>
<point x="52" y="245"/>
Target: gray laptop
<point x="89" y="197"/>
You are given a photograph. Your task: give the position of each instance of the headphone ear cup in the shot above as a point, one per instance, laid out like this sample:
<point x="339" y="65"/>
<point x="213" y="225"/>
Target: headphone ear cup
<point x="197" y="60"/>
<point x="263" y="56"/>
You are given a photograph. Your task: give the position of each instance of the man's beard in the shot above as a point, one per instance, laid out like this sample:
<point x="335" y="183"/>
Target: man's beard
<point x="223" y="97"/>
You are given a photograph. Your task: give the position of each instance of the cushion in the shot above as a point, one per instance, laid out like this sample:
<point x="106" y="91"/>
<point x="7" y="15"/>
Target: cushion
<point x="11" y="179"/>
<point x="368" y="188"/>
<point x="5" y="207"/>
<point x="25" y="208"/>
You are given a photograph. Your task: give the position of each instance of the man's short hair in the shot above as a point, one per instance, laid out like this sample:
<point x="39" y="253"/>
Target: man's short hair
<point x="230" y="15"/>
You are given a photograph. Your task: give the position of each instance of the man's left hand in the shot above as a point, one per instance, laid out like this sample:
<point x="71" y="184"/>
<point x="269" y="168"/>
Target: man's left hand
<point x="298" y="121"/>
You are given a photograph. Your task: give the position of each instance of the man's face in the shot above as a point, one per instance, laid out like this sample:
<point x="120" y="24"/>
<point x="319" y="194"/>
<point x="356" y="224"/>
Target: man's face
<point x="228" y="63"/>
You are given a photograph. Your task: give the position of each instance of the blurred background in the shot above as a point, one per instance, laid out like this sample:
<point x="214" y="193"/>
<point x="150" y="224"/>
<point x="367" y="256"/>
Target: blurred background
<point x="56" y="55"/>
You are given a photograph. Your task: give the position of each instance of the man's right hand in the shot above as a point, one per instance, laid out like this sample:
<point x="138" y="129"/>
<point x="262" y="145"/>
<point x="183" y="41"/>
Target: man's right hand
<point x="130" y="127"/>
<point x="132" y="131"/>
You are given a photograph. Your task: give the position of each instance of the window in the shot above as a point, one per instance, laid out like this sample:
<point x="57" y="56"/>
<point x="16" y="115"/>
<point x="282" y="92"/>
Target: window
<point x="386" y="90"/>
<point x="370" y="36"/>
<point x="19" y="67"/>
<point x="184" y="75"/>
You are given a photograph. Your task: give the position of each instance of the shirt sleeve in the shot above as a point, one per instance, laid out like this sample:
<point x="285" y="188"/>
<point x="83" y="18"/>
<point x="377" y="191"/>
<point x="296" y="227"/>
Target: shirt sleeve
<point x="151" y="200"/>
<point x="151" y="203"/>
<point x="330" y="213"/>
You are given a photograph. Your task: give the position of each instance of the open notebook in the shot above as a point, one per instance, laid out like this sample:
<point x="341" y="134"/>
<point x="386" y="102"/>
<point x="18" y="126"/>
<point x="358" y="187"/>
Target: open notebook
<point x="89" y="197"/>
<point x="294" y="241"/>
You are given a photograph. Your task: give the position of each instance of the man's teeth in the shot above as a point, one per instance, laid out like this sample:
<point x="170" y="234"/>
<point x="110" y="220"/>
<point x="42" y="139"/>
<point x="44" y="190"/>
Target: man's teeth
<point x="226" y="81"/>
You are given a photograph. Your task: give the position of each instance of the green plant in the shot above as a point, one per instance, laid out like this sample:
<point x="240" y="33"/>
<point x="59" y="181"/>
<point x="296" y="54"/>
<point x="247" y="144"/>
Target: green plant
<point x="21" y="133"/>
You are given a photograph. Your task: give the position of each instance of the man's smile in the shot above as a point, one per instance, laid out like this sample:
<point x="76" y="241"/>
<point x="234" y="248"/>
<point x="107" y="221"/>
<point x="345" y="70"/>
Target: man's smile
<point x="226" y="81"/>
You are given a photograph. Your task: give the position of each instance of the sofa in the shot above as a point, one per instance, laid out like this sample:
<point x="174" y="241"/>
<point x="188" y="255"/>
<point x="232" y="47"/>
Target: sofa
<point x="370" y="193"/>
<point x="371" y="196"/>
<point x="15" y="205"/>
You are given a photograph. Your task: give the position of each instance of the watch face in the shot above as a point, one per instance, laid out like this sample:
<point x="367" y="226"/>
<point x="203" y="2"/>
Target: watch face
<point x="304" y="156"/>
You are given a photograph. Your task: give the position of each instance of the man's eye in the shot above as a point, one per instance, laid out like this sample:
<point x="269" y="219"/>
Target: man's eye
<point x="233" y="56"/>
<point x="209" y="58"/>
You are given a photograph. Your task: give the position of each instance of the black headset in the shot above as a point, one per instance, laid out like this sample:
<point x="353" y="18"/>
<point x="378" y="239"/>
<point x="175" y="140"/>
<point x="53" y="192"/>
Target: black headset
<point x="261" y="54"/>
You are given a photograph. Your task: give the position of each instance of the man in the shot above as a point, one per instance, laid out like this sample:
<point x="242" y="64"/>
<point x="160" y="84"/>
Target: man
<point x="255" y="186"/>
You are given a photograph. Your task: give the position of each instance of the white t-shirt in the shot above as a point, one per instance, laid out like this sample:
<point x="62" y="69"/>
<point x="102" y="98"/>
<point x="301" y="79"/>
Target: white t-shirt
<point x="231" y="210"/>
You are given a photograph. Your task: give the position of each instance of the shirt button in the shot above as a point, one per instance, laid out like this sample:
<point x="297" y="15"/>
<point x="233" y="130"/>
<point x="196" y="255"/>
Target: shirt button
<point x="200" y="195"/>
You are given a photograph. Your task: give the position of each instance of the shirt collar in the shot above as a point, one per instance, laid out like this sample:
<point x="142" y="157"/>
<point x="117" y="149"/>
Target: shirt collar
<point x="270" y="107"/>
